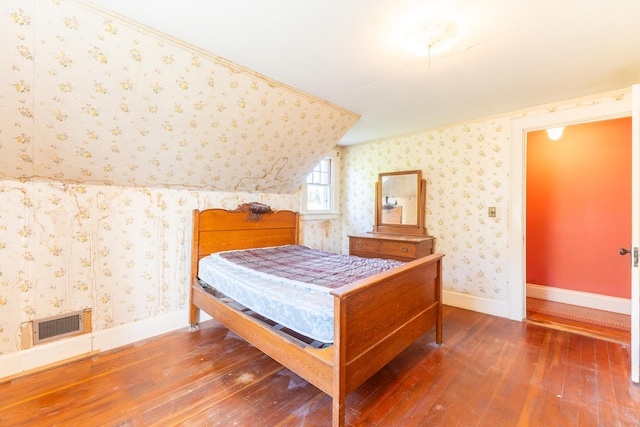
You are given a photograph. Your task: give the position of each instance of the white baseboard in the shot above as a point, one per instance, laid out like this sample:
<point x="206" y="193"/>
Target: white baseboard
<point x="137" y="331"/>
<point x="482" y="305"/>
<point x="584" y="299"/>
<point x="71" y="348"/>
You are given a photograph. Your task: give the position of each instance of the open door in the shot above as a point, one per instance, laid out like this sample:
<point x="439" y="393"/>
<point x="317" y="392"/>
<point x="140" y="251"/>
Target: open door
<point x="517" y="221"/>
<point x="635" y="234"/>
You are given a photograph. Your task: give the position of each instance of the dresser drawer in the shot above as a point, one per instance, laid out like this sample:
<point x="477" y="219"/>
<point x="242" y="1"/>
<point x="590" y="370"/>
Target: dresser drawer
<point x="384" y="247"/>
<point x="399" y="247"/>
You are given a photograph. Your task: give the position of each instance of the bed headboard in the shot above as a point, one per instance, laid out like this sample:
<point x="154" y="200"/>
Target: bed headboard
<point x="251" y="225"/>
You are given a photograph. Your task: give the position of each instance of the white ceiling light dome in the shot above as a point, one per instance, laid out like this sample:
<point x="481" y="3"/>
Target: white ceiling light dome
<point x="555" y="133"/>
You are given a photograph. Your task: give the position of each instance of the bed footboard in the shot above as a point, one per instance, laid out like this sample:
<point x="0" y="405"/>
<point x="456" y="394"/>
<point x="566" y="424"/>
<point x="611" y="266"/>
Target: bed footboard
<point x="379" y="317"/>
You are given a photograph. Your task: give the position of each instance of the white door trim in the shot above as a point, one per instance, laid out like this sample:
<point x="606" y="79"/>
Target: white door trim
<point x="635" y="233"/>
<point x="519" y="129"/>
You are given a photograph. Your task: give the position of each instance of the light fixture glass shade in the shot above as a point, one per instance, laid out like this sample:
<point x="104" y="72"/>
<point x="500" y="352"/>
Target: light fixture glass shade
<point x="555" y="133"/>
<point x="430" y="36"/>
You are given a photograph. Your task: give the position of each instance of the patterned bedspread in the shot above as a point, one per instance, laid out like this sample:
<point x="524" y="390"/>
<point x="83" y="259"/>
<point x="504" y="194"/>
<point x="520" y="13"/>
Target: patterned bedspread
<point x="307" y="265"/>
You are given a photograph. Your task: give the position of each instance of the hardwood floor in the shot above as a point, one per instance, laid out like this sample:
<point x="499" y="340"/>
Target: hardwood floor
<point x="587" y="321"/>
<point x="490" y="372"/>
<point x="563" y="324"/>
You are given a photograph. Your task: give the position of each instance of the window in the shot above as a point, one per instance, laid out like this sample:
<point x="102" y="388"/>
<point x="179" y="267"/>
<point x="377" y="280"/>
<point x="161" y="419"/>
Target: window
<point x="319" y="187"/>
<point x="319" y="192"/>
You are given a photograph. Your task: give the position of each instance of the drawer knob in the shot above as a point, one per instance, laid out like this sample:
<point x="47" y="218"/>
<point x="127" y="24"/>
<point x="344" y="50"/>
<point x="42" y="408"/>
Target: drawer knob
<point x="360" y="244"/>
<point x="405" y="249"/>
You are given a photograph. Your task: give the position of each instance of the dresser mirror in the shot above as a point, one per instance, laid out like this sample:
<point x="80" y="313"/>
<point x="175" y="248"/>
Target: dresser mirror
<point x="400" y="203"/>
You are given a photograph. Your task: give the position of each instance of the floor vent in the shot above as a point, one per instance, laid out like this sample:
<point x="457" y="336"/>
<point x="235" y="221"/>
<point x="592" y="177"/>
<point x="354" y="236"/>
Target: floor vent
<point x="53" y="328"/>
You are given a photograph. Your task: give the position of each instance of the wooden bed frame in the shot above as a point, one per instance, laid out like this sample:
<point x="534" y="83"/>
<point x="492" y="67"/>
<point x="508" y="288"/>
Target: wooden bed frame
<point x="374" y="319"/>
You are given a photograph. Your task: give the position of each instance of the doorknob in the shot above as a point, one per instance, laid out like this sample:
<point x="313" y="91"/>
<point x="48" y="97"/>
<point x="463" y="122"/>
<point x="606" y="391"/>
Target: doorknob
<point x="624" y="251"/>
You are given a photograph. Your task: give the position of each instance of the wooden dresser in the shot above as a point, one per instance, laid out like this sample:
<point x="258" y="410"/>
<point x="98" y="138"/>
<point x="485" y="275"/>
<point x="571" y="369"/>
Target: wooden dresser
<point x="393" y="246"/>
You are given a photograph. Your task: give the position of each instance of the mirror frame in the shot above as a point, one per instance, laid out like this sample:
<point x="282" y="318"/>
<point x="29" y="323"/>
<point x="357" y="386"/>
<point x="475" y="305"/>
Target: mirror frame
<point x="414" y="229"/>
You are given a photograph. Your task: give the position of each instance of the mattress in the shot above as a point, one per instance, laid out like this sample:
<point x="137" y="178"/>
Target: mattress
<point x="296" y="297"/>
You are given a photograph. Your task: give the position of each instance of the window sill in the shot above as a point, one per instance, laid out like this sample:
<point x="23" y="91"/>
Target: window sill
<point x="318" y="217"/>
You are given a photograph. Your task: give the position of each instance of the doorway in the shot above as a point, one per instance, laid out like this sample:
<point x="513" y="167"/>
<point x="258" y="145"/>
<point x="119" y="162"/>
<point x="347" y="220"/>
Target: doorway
<point x="606" y="109"/>
<point x="578" y="216"/>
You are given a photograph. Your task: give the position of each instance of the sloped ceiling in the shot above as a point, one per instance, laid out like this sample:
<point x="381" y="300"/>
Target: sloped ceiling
<point x="87" y="97"/>
<point x="512" y="54"/>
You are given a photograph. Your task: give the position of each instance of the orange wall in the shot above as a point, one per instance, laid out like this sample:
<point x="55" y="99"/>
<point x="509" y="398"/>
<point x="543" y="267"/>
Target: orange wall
<point x="579" y="208"/>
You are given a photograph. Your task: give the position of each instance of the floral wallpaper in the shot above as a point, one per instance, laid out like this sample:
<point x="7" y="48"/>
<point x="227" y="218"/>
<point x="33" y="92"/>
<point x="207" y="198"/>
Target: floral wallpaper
<point x="89" y="98"/>
<point x="467" y="169"/>
<point x="124" y="252"/>
<point x="111" y="135"/>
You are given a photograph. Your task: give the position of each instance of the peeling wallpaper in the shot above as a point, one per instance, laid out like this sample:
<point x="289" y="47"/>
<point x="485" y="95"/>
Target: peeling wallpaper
<point x="467" y="168"/>
<point x="90" y="98"/>
<point x="110" y="135"/>
<point x="123" y="252"/>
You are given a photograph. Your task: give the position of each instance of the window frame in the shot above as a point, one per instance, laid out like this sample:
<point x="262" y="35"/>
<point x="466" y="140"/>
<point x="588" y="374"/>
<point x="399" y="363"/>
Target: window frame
<point x="334" y="198"/>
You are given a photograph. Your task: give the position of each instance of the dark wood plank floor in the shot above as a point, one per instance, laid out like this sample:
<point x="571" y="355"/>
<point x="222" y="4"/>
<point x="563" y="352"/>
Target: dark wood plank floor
<point x="490" y="372"/>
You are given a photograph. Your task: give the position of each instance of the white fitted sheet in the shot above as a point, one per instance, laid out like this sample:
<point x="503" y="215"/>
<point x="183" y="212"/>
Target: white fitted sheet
<point x="304" y="308"/>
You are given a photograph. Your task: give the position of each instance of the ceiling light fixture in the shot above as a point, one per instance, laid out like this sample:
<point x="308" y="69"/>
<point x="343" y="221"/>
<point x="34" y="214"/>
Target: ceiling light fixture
<point x="555" y="133"/>
<point x="431" y="36"/>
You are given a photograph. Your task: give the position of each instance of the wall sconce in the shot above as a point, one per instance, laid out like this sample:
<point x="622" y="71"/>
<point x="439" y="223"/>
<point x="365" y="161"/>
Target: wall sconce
<point x="555" y="133"/>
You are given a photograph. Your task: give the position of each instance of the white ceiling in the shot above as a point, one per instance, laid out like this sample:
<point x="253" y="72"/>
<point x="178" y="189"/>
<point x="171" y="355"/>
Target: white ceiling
<point x="512" y="55"/>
